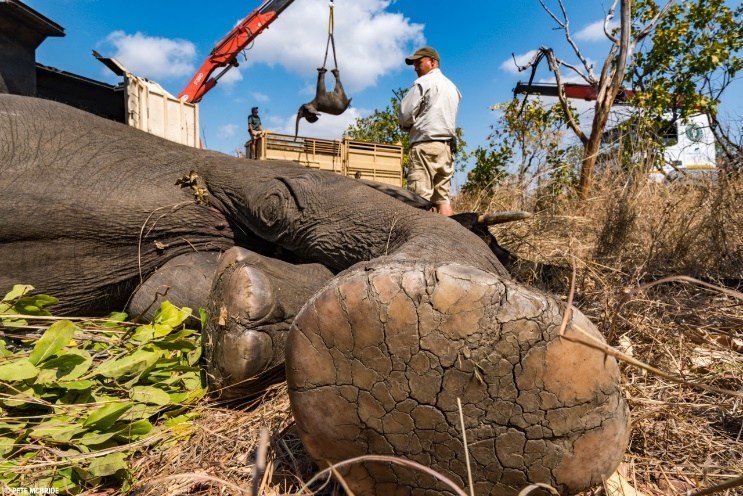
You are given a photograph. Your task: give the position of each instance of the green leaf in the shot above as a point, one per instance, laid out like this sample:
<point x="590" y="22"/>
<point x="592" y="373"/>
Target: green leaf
<point x="135" y="430"/>
<point x="181" y="419"/>
<point x="108" y="465"/>
<point x="140" y="411"/>
<point x="136" y="363"/>
<point x="4" y="351"/>
<point x="34" y="305"/>
<point x="105" y="416"/>
<point x="54" y="339"/>
<point x="7" y="444"/>
<point x="14" y="425"/>
<point x="59" y="429"/>
<point x="17" y="291"/>
<point x="69" y="366"/>
<point x="150" y="395"/>
<point x="115" y="318"/>
<point x="18" y="370"/>
<point x="20" y="398"/>
<point x="95" y="437"/>
<point x="170" y="315"/>
<point x="74" y="385"/>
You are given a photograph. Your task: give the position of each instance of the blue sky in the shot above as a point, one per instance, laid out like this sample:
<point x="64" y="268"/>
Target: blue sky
<point x="166" y="41"/>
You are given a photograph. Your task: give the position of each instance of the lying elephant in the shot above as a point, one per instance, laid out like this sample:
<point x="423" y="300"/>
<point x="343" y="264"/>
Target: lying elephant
<point x="407" y="311"/>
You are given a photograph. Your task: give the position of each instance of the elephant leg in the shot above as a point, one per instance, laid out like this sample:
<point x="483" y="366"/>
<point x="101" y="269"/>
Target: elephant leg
<point x="252" y="303"/>
<point x="377" y="360"/>
<point x="184" y="281"/>
<point x="334" y="102"/>
<point x="320" y="91"/>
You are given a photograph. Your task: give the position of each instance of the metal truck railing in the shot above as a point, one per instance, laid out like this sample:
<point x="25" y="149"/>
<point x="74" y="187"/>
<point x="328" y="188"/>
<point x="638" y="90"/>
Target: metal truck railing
<point x="373" y="161"/>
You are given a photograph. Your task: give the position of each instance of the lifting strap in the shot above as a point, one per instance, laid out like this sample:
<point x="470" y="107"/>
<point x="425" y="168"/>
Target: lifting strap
<point x="331" y="39"/>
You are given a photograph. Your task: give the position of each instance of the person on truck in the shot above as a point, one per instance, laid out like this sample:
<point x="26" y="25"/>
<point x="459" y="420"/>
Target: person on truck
<point x="254" y="129"/>
<point x="428" y="113"/>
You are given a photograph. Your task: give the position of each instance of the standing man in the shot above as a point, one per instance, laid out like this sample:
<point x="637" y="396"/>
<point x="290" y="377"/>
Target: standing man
<point x="254" y="129"/>
<point x="428" y="113"/>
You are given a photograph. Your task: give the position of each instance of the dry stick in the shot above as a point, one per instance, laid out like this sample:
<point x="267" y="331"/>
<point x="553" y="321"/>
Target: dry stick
<point x="466" y="448"/>
<point x="538" y="485"/>
<point x="569" y="308"/>
<point x="342" y="482"/>
<point x="738" y="481"/>
<point x="389" y="459"/>
<point x="142" y="234"/>
<point x="598" y="345"/>
<point x="197" y="478"/>
<point x="729" y="292"/>
<point x="260" y="461"/>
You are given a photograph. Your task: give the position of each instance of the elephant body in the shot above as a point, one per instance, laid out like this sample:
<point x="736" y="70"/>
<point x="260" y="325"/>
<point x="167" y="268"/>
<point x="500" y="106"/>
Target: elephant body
<point x="399" y="313"/>
<point x="92" y="207"/>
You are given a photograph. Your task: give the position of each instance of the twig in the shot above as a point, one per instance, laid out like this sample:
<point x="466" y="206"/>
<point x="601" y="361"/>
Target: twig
<point x="737" y="482"/>
<point x="569" y="309"/>
<point x="466" y="448"/>
<point x="538" y="485"/>
<point x="598" y="345"/>
<point x="388" y="459"/>
<point x="198" y="477"/>
<point x="260" y="461"/>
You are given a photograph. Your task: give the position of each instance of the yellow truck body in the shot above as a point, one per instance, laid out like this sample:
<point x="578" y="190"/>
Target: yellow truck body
<point x="378" y="162"/>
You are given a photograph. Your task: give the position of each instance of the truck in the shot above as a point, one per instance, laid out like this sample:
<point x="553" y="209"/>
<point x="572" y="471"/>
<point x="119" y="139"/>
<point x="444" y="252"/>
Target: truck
<point x="688" y="143"/>
<point x="151" y="108"/>
<point x="379" y="162"/>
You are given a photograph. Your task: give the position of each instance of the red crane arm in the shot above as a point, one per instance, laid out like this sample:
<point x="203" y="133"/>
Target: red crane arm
<point x="572" y="90"/>
<point x="225" y="53"/>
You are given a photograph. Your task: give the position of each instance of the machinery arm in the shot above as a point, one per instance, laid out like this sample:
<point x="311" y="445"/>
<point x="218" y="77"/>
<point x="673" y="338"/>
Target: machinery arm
<point x="577" y="91"/>
<point x="225" y="53"/>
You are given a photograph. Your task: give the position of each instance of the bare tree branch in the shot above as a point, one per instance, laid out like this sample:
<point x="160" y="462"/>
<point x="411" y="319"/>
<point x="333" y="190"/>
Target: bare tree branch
<point x="651" y="24"/>
<point x="589" y="77"/>
<point x="607" y="20"/>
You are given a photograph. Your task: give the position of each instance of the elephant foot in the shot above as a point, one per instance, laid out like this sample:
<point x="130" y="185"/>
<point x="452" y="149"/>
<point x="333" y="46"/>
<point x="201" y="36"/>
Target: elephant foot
<point x="252" y="303"/>
<point x="184" y="281"/>
<point x="377" y="360"/>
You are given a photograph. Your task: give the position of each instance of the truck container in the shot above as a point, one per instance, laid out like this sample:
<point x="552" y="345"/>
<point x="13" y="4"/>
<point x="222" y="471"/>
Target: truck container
<point x="151" y="108"/>
<point x="378" y="162"/>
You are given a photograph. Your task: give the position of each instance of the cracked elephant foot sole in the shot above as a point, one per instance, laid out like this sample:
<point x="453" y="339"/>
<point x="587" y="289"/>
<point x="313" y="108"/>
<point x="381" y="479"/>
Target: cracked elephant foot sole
<point x="377" y="360"/>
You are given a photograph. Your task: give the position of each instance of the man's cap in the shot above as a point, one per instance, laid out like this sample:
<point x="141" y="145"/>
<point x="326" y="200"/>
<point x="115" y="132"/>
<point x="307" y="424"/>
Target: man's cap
<point x="254" y="109"/>
<point x="422" y="52"/>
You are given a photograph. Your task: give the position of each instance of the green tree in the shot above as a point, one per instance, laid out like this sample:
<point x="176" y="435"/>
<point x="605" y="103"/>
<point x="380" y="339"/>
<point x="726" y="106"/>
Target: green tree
<point x="524" y="142"/>
<point x="691" y="42"/>
<point x="382" y="127"/>
<point x="690" y="60"/>
<point x="608" y="83"/>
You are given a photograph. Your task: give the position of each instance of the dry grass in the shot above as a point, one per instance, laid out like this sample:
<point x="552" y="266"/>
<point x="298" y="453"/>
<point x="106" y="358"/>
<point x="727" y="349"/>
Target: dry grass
<point x="629" y="234"/>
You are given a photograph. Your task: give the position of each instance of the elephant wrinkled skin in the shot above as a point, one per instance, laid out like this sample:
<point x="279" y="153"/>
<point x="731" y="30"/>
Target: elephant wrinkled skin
<point x="409" y="312"/>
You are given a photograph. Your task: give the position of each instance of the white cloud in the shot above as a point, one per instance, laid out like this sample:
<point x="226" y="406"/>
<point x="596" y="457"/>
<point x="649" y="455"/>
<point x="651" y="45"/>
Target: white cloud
<point x="227" y="130"/>
<point x="370" y="41"/>
<point x="152" y="57"/>
<point x="230" y="78"/>
<point x="523" y="59"/>
<point x="594" y="31"/>
<point x="260" y="97"/>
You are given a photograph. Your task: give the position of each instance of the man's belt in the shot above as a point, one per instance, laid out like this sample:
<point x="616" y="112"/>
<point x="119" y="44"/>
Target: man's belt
<point x="452" y="142"/>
